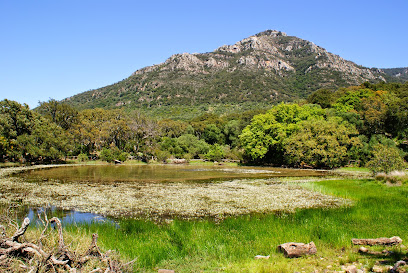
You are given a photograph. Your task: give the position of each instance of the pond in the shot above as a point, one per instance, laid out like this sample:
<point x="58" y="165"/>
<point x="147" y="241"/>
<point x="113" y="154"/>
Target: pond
<point x="165" y="191"/>
<point x="158" y="173"/>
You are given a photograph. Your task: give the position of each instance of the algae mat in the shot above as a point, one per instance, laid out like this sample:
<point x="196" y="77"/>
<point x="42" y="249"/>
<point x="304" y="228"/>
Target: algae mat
<point x="232" y="195"/>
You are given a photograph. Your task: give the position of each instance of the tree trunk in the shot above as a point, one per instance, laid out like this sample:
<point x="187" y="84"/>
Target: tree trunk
<point x="378" y="241"/>
<point x="293" y="250"/>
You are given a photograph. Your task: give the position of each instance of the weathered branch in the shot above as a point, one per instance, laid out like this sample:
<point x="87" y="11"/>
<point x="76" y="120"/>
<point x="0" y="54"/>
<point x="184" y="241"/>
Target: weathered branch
<point x="27" y="247"/>
<point x="3" y="231"/>
<point x="28" y="253"/>
<point x="92" y="248"/>
<point x="397" y="264"/>
<point x="21" y="230"/>
<point x="45" y="223"/>
<point x="58" y="262"/>
<point x="378" y="241"/>
<point x="59" y="227"/>
<point x="130" y="262"/>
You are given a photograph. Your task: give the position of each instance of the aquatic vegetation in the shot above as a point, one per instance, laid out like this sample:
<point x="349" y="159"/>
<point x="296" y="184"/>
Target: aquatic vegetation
<point x="157" y="200"/>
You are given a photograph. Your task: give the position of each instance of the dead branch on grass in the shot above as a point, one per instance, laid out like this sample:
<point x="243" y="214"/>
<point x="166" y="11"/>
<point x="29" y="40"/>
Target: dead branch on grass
<point x="378" y="241"/>
<point x="32" y="257"/>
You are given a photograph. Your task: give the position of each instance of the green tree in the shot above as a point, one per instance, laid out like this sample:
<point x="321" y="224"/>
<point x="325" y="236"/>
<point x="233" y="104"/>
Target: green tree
<point x="216" y="153"/>
<point x="144" y="134"/>
<point x="28" y="136"/>
<point x="183" y="145"/>
<point x="48" y="139"/>
<point x="62" y="114"/>
<point x="396" y="118"/>
<point x="172" y="128"/>
<point x="113" y="153"/>
<point x="321" y="143"/>
<point x="263" y="139"/>
<point x="192" y="145"/>
<point x="232" y="129"/>
<point x="212" y="134"/>
<point x="322" y="97"/>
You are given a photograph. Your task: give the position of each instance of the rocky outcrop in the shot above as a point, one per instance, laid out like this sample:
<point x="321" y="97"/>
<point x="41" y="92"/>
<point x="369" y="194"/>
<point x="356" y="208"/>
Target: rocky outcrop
<point x="271" y="50"/>
<point x="267" y="67"/>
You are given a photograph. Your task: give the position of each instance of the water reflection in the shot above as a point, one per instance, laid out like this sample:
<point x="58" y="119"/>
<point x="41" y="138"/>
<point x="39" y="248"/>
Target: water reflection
<point x="107" y="174"/>
<point x="67" y="217"/>
<point x="146" y="190"/>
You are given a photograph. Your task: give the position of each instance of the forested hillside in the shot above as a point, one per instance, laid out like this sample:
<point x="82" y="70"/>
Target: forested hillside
<point x="254" y="73"/>
<point x="329" y="129"/>
<point x="400" y="74"/>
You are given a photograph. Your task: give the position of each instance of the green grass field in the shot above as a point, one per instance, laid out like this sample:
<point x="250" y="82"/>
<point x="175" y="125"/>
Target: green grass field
<point x="230" y="245"/>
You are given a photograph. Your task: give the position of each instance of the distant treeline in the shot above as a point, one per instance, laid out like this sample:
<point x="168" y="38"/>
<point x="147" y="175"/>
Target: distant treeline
<point x="331" y="128"/>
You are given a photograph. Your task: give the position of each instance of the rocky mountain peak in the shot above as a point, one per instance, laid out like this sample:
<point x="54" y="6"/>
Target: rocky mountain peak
<point x="272" y="33"/>
<point x="265" y="68"/>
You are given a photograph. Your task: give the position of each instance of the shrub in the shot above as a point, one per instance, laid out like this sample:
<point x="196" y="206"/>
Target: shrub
<point x="82" y="157"/>
<point x="386" y="159"/>
<point x="112" y="154"/>
<point x="188" y="157"/>
<point x="162" y="156"/>
<point x="216" y="153"/>
<point x="106" y="155"/>
<point x="122" y="156"/>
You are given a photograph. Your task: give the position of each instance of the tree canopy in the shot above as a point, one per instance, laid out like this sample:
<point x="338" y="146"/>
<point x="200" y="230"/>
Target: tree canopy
<point x="330" y="129"/>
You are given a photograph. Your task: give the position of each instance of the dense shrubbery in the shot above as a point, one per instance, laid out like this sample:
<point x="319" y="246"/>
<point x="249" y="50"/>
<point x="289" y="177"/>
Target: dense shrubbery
<point x="113" y="154"/>
<point x="354" y="120"/>
<point x="331" y="129"/>
<point x="301" y="136"/>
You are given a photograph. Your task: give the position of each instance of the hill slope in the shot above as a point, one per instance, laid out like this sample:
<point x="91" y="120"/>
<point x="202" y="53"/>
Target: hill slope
<point x="400" y="74"/>
<point x="263" y="69"/>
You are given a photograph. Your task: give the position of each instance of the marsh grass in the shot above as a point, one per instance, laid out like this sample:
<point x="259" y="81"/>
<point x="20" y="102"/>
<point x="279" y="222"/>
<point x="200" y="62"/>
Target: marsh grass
<point x="230" y="245"/>
<point x="395" y="177"/>
<point x="354" y="169"/>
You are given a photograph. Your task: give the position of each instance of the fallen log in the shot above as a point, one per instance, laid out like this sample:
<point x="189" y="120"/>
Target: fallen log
<point x="378" y="241"/>
<point x="294" y="250"/>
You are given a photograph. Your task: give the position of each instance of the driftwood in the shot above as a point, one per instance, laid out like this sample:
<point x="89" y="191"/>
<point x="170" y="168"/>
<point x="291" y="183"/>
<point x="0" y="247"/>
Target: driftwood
<point x="378" y="241"/>
<point x="60" y="258"/>
<point x="294" y="250"/>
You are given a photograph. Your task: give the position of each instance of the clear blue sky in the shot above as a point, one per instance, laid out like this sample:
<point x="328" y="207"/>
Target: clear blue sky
<point x="58" y="48"/>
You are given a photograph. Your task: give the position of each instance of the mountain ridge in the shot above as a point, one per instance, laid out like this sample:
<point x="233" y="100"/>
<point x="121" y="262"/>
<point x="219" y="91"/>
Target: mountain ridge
<point x="260" y="70"/>
<point x="400" y="73"/>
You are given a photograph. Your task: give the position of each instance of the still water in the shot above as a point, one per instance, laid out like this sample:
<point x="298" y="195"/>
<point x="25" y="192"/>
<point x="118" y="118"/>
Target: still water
<point x="159" y="173"/>
<point x="132" y="178"/>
